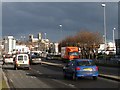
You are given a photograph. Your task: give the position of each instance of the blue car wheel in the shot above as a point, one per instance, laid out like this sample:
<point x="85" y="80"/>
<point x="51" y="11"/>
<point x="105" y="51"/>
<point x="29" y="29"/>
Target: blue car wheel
<point x="74" y="77"/>
<point x="64" y="75"/>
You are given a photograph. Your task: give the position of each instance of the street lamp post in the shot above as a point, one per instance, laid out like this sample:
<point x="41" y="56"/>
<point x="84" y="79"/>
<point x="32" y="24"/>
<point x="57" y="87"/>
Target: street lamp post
<point x="45" y="36"/>
<point x="114" y="35"/>
<point x="45" y="41"/>
<point x="61" y="33"/>
<point x="103" y="5"/>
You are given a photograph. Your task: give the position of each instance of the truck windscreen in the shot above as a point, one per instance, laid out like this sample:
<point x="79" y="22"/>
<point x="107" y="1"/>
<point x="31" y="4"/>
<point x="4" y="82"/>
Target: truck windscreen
<point x="73" y="53"/>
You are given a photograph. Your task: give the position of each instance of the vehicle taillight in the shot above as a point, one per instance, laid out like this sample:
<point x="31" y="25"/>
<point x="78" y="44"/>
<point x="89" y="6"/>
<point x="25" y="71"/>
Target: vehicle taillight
<point x="97" y="68"/>
<point x="77" y="68"/>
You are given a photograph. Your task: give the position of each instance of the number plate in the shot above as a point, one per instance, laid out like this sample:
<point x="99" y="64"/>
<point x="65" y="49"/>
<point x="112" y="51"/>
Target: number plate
<point x="20" y="61"/>
<point x="87" y="69"/>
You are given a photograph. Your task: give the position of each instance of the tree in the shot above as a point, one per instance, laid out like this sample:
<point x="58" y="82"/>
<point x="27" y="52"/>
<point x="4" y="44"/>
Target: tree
<point x="87" y="41"/>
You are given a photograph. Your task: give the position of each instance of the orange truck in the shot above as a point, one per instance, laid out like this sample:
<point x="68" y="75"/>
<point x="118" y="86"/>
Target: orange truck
<point x="69" y="53"/>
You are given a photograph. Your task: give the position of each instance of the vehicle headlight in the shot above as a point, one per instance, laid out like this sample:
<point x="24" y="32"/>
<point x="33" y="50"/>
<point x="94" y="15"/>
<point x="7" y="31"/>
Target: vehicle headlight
<point x="64" y="67"/>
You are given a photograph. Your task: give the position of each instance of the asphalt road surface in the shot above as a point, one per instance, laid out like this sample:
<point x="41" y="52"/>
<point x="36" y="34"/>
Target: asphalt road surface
<point x="102" y="69"/>
<point x="44" y="76"/>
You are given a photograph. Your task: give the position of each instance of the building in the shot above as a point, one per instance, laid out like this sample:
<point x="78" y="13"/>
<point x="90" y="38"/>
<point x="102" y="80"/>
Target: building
<point x="22" y="49"/>
<point x="44" y="42"/>
<point x="53" y="48"/>
<point x="111" y="48"/>
<point x="38" y="43"/>
<point x="9" y="44"/>
<point x="33" y="39"/>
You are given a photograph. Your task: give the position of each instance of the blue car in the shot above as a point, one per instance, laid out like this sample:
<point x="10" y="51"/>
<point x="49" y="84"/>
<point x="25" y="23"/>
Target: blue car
<point x="81" y="68"/>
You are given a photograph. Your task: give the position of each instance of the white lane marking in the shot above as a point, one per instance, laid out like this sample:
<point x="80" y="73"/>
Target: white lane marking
<point x="70" y="85"/>
<point x="27" y="73"/>
<point x="33" y="77"/>
<point x="38" y="71"/>
<point x="11" y="80"/>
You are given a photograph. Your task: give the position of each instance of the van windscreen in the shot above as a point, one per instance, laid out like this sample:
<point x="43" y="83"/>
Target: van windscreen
<point x="25" y="57"/>
<point x="20" y="57"/>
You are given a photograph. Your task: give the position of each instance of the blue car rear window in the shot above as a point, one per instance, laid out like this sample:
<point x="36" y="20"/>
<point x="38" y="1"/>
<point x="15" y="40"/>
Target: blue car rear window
<point x="85" y="63"/>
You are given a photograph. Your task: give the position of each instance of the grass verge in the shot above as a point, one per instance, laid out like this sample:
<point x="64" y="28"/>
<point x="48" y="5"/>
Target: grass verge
<point x="4" y="85"/>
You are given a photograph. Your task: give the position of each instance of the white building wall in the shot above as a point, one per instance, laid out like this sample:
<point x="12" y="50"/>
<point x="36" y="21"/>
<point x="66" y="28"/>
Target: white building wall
<point x="22" y="48"/>
<point x="56" y="48"/>
<point x="6" y="45"/>
<point x="110" y="48"/>
<point x="10" y="44"/>
<point x="14" y="44"/>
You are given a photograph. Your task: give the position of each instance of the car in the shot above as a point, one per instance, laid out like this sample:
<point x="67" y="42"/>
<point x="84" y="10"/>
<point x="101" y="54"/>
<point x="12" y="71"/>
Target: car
<point x="21" y="61"/>
<point x="35" y="58"/>
<point x="115" y="59"/>
<point x="7" y="59"/>
<point x="80" y="68"/>
<point x="49" y="57"/>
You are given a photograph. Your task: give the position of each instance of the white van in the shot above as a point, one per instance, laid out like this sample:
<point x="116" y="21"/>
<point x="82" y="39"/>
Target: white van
<point x="21" y="61"/>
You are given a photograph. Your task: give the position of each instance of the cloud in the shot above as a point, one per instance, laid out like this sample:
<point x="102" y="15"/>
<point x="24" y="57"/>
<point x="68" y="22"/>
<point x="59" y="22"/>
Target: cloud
<point x="28" y="17"/>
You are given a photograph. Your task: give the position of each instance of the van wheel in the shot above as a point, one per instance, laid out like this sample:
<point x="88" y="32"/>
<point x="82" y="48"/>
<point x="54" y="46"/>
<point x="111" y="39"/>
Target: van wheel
<point x="15" y="68"/>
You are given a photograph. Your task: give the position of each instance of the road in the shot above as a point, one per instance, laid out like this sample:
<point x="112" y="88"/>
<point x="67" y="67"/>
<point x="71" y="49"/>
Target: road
<point x="44" y="76"/>
<point x="102" y="70"/>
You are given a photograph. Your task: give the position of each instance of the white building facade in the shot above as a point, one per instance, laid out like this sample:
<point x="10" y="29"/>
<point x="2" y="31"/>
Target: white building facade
<point x="9" y="44"/>
<point x="110" y="48"/>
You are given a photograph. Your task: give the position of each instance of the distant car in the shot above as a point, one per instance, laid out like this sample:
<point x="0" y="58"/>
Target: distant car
<point x="21" y="61"/>
<point x="115" y="59"/>
<point x="80" y="68"/>
<point x="49" y="57"/>
<point x="35" y="58"/>
<point x="7" y="59"/>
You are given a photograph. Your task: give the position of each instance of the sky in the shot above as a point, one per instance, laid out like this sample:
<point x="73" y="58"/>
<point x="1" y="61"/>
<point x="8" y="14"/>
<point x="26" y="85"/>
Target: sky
<point x="24" y="18"/>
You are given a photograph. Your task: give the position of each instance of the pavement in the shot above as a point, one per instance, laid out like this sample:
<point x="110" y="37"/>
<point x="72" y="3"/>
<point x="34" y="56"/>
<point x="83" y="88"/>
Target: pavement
<point x="2" y="77"/>
<point x="113" y="77"/>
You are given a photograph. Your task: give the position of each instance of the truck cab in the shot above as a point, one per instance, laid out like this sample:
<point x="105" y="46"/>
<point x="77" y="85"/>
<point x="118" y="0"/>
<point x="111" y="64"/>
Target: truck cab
<point x="69" y="53"/>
